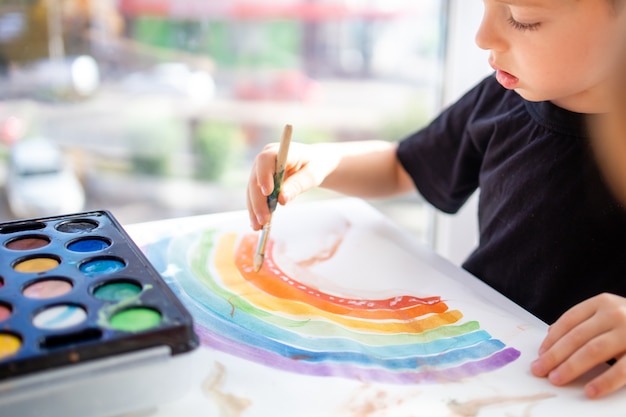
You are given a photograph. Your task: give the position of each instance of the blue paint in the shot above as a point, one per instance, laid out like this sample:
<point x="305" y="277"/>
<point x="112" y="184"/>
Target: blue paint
<point x="283" y="343"/>
<point x="271" y="332"/>
<point x="88" y="245"/>
<point x="61" y="318"/>
<point x="101" y="266"/>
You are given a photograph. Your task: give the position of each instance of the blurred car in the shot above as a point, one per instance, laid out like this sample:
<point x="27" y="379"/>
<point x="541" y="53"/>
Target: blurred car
<point x="173" y="78"/>
<point x="70" y="78"/>
<point x="286" y="85"/>
<point x="11" y="129"/>
<point x="41" y="181"/>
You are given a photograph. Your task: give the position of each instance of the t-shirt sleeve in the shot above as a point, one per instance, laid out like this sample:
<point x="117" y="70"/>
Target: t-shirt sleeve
<point x="444" y="158"/>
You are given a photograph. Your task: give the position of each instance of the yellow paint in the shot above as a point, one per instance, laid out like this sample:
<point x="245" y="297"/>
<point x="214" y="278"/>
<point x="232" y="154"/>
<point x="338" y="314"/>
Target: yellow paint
<point x="36" y="265"/>
<point x="9" y="344"/>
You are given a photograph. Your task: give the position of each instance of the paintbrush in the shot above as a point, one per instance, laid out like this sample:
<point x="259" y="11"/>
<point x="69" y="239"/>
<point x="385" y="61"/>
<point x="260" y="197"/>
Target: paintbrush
<point x="272" y="199"/>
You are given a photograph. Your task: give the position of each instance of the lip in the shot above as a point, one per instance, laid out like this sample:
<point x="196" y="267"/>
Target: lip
<point x="506" y="79"/>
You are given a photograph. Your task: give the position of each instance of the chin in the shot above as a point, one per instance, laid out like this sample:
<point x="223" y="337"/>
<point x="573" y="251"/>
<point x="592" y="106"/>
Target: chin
<point x="531" y="95"/>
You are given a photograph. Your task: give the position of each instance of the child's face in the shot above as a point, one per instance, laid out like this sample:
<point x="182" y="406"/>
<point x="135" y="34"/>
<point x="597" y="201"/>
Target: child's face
<point x="556" y="50"/>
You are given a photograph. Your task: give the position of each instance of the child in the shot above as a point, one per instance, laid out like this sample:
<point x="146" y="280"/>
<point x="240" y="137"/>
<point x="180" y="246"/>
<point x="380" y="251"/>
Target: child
<point x="551" y="234"/>
<point x="595" y="328"/>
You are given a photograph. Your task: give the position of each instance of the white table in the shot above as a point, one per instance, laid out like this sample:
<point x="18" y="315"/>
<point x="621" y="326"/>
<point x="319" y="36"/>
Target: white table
<point x="351" y="251"/>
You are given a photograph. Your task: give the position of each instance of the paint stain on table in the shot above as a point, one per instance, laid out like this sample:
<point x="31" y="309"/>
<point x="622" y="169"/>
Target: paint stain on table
<point x="473" y="407"/>
<point x="229" y="405"/>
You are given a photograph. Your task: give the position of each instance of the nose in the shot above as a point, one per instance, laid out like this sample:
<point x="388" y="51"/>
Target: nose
<point x="489" y="34"/>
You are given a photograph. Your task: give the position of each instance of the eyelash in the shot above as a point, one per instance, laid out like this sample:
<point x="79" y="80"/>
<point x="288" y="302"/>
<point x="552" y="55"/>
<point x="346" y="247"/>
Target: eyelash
<point x="523" y="26"/>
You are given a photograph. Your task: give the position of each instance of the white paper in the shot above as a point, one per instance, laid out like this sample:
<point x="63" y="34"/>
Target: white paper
<point x="346" y="250"/>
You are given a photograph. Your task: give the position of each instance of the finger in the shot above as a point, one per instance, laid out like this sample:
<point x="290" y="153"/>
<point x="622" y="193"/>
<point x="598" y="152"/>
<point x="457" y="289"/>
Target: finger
<point x="297" y="183"/>
<point x="597" y="350"/>
<point x="254" y="222"/>
<point x="607" y="382"/>
<point x="257" y="202"/>
<point x="569" y="320"/>
<point x="265" y="166"/>
<point x="265" y="172"/>
<point x="567" y="345"/>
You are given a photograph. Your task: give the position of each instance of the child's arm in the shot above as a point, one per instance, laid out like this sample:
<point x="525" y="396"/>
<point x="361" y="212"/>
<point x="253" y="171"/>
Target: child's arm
<point x="588" y="334"/>
<point x="365" y="169"/>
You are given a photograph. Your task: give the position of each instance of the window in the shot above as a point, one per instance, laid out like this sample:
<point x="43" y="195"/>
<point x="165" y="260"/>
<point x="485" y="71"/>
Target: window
<point x="162" y="104"/>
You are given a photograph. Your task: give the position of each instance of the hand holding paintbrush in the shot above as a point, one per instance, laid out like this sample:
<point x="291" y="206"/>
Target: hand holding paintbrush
<point x="272" y="199"/>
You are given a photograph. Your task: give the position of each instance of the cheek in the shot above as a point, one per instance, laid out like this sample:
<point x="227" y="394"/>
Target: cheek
<point x="584" y="55"/>
<point x="549" y="66"/>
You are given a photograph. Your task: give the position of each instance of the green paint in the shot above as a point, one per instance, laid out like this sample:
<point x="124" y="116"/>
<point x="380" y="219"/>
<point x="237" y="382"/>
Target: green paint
<point x="201" y="257"/>
<point x="109" y="310"/>
<point x="135" y="319"/>
<point x="272" y="199"/>
<point x="117" y="291"/>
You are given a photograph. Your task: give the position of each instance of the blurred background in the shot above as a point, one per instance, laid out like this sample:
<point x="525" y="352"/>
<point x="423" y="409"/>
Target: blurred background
<point x="156" y="108"/>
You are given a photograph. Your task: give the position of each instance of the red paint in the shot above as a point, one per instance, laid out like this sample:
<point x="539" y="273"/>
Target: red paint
<point x="5" y="312"/>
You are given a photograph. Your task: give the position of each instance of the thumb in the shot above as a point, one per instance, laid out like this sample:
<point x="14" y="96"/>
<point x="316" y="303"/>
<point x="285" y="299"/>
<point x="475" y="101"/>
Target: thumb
<point x="295" y="185"/>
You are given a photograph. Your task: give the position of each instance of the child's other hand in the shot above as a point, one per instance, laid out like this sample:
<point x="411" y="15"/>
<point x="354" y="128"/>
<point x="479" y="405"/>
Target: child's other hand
<point x="306" y="167"/>
<point x="588" y="334"/>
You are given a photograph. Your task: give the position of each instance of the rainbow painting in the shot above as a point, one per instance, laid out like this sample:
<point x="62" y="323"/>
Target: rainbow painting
<point x="349" y="316"/>
<point x="276" y="318"/>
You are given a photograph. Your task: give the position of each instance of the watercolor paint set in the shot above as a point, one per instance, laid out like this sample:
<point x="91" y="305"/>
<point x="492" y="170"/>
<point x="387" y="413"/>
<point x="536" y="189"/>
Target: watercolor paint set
<point x="85" y="320"/>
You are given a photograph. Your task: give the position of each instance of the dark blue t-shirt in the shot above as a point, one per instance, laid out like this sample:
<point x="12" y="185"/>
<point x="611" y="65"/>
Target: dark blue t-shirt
<point x="551" y="234"/>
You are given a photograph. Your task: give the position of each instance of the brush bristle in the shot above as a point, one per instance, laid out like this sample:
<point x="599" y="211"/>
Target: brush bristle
<point x="258" y="262"/>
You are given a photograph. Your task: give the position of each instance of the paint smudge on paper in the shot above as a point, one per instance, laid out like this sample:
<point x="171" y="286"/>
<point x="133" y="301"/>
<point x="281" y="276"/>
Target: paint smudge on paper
<point x="369" y="401"/>
<point x="273" y="319"/>
<point x="228" y="404"/>
<point x="473" y="407"/>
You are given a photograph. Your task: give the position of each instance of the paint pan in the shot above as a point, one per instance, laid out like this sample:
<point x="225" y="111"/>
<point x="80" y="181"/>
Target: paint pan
<point x="87" y="325"/>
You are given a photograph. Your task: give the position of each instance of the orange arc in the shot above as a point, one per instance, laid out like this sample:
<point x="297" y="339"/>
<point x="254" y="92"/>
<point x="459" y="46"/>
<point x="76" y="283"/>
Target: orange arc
<point x="232" y="279"/>
<point x="273" y="280"/>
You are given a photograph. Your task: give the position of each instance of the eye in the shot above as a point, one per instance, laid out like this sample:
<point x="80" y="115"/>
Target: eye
<point x="523" y="26"/>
